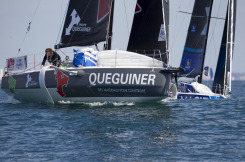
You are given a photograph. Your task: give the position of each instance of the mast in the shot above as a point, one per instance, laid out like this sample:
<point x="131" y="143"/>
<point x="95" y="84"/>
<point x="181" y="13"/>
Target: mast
<point x="230" y="41"/>
<point x="109" y="31"/>
<point x="165" y="12"/>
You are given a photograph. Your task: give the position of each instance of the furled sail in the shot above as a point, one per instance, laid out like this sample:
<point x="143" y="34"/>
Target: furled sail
<point x="195" y="46"/>
<point x="86" y="23"/>
<point x="222" y="77"/>
<point x="150" y="25"/>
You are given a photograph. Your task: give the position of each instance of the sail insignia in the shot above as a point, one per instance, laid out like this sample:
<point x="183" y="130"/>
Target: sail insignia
<point x="86" y="23"/>
<point x="103" y="9"/>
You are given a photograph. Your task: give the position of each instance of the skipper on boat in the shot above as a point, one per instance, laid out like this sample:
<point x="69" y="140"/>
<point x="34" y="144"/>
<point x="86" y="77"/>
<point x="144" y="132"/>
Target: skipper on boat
<point x="52" y="57"/>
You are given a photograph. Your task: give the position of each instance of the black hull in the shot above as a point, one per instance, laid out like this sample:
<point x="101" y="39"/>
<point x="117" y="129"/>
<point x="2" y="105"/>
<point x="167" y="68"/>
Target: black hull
<point x="91" y="84"/>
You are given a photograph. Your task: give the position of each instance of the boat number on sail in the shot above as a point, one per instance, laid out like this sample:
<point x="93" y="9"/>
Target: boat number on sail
<point x="75" y="24"/>
<point x="121" y="78"/>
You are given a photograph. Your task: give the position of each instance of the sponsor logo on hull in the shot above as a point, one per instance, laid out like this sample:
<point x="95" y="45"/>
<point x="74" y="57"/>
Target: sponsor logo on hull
<point x="62" y="80"/>
<point x="12" y="84"/>
<point x="121" y="78"/>
<point x="30" y="82"/>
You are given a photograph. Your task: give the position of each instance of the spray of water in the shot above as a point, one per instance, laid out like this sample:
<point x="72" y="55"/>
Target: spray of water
<point x="96" y="104"/>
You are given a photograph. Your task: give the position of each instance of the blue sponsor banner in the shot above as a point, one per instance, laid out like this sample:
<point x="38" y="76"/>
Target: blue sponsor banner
<point x="197" y="96"/>
<point x="211" y="73"/>
<point x="206" y="68"/>
<point x="193" y="28"/>
<point x="188" y="49"/>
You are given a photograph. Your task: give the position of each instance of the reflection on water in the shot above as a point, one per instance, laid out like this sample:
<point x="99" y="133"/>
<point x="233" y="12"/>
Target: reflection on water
<point x="168" y="130"/>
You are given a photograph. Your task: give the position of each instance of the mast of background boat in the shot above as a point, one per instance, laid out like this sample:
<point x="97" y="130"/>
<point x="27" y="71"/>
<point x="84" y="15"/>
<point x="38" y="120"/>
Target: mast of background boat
<point x="230" y="42"/>
<point x="208" y="24"/>
<point x="165" y="29"/>
<point x="109" y="31"/>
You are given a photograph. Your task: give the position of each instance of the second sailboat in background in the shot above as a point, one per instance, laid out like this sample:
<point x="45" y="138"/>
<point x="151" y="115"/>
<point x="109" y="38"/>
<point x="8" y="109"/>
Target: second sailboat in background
<point x="195" y="49"/>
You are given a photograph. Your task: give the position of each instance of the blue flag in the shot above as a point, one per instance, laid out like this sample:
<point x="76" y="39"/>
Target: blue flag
<point x="206" y="68"/>
<point x="29" y="27"/>
<point x="211" y="73"/>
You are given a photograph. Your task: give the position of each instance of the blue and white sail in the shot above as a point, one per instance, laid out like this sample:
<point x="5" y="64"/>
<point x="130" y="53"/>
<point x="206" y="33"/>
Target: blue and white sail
<point x="195" y="46"/>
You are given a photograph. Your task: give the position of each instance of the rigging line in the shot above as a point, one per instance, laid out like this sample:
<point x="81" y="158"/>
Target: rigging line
<point x="33" y="67"/>
<point x="221" y="18"/>
<point x="21" y="45"/>
<point x="126" y="17"/>
<point x="189" y="72"/>
<point x="174" y="26"/>
<point x="61" y="9"/>
<point x="61" y="25"/>
<point x="22" y="72"/>
<point x="62" y="52"/>
<point x="180" y="26"/>
<point x="36" y="10"/>
<point x="213" y="29"/>
<point x="28" y="28"/>
<point x="109" y="29"/>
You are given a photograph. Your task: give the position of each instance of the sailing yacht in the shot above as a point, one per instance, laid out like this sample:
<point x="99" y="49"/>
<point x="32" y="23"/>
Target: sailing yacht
<point x="194" y="53"/>
<point x="139" y="74"/>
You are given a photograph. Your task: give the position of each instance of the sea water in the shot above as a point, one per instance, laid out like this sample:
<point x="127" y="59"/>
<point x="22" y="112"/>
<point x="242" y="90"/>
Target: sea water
<point x="170" y="130"/>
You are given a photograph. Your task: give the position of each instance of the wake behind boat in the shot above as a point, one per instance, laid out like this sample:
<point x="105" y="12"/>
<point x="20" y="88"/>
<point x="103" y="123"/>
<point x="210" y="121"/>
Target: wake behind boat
<point x="109" y="75"/>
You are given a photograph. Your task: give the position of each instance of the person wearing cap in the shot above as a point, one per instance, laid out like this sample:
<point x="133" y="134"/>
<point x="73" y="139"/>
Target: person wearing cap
<point x="52" y="57"/>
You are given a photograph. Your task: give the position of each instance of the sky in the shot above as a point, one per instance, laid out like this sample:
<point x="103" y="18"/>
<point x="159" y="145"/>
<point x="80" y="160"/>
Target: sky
<point x="46" y="17"/>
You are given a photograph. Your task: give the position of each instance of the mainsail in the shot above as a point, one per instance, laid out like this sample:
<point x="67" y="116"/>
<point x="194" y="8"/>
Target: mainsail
<point x="222" y="79"/>
<point x="150" y="25"/>
<point x="195" y="46"/>
<point x="86" y="23"/>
